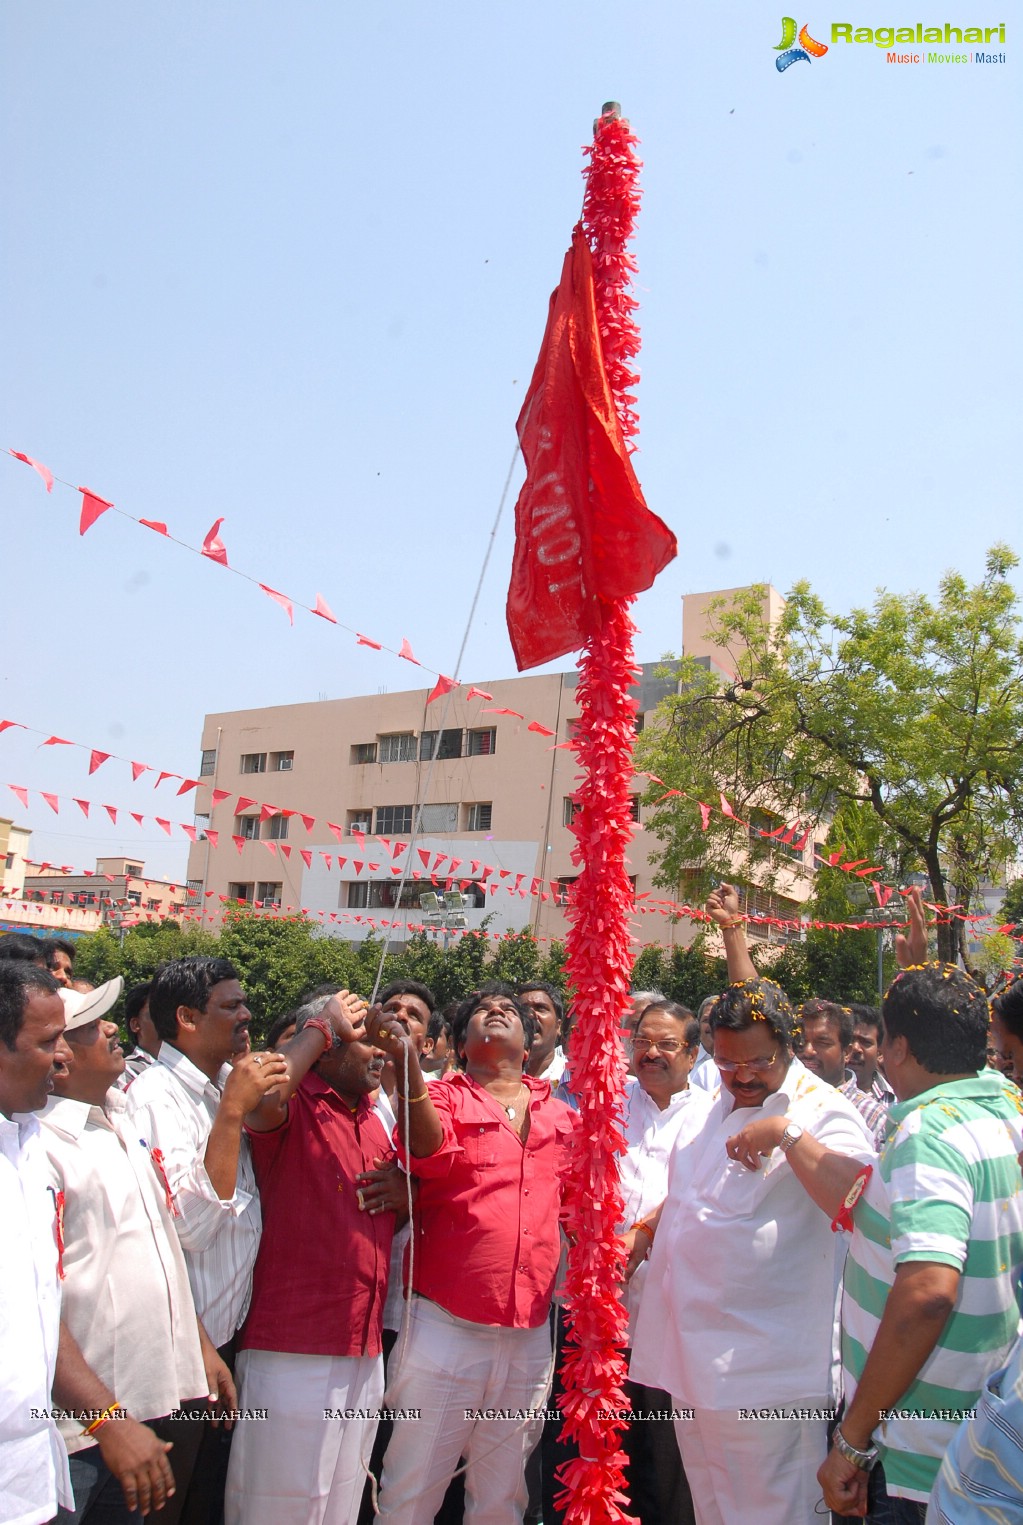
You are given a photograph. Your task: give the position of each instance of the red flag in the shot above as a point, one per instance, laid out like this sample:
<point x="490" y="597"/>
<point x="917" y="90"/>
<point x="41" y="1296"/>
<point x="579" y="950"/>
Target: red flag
<point x="541" y="730"/>
<point x="282" y="599"/>
<point x="221" y="794"/>
<point x="56" y="741"/>
<point x="306" y="855"/>
<point x="52" y="801"/>
<point x="155" y="524"/>
<point x="442" y="686"/>
<point x="92" y="507"/>
<point x="97" y="759"/>
<point x="83" y="806"/>
<point x="406" y="652"/>
<point x="111" y="811"/>
<point x="188" y="783"/>
<point x="336" y="829"/>
<point x="213" y="546"/>
<point x="214" y="837"/>
<point x="136" y="817"/>
<point x="479" y="693"/>
<point x="324" y="610"/>
<point x="364" y="640"/>
<point x="21" y="792"/>
<point x="583" y="532"/>
<point x="44" y="471"/>
<point x="308" y="821"/>
<point x="137" y="770"/>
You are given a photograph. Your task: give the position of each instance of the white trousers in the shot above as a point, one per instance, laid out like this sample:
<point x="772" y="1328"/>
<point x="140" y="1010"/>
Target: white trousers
<point x="452" y="1370"/>
<point x="297" y="1467"/>
<point x="753" y="1470"/>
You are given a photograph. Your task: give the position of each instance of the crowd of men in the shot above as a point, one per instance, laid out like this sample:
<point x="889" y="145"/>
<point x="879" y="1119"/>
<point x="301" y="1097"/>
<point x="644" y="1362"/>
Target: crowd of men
<point x="317" y="1283"/>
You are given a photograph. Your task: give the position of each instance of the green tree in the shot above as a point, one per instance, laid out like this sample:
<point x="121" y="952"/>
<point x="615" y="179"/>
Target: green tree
<point x="275" y="958"/>
<point x="1011" y="910"/>
<point x="648" y="970"/>
<point x="913" y="708"/>
<point x="515" y="959"/>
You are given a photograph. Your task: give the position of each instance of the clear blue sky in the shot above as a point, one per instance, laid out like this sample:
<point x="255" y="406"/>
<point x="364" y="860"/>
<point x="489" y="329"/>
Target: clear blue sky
<point x="289" y="264"/>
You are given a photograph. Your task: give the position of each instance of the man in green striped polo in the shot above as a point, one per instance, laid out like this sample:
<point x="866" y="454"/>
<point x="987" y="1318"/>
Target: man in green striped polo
<point x="929" y="1307"/>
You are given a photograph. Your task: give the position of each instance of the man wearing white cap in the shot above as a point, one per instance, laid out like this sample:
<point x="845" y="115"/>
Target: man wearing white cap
<point x="137" y="1351"/>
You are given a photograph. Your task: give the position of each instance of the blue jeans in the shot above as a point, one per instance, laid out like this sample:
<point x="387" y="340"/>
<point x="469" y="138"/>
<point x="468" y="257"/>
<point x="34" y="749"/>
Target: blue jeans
<point x="99" y="1497"/>
<point x="883" y="1510"/>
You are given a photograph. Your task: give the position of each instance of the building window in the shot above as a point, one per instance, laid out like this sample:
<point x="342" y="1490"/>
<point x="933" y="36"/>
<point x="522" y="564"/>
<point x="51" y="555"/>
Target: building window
<point x="358" y="820"/>
<point x="239" y="892"/>
<point x="201" y="823"/>
<point x="634" y="807"/>
<point x="133" y="870"/>
<point x="193" y="889"/>
<point x="246" y="826"/>
<point x="152" y="905"/>
<point x="134" y="897"/>
<point x="440" y="744"/>
<point x="392" y="820"/>
<point x="358" y="895"/>
<point x="364" y="752"/>
<point x="758" y="904"/>
<point x="438" y="817"/>
<point x="569" y="807"/>
<point x="282" y="762"/>
<point x="269" y="894"/>
<point x="56" y="897"/>
<point x="572" y="725"/>
<point x="208" y="764"/>
<point x="478" y="816"/>
<point x="10" y="861"/>
<point x="398" y="748"/>
<point x="277" y="828"/>
<point x="482" y="743"/>
<point x="253" y="762"/>
<point x="563" y="888"/>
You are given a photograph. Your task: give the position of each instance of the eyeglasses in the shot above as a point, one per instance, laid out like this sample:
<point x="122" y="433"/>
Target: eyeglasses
<point x="664" y="1045"/>
<point x="756" y="1066"/>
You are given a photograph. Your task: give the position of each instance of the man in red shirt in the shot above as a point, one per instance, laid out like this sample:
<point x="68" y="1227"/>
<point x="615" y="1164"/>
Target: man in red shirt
<point x="311" y="1345"/>
<point x="489" y="1150"/>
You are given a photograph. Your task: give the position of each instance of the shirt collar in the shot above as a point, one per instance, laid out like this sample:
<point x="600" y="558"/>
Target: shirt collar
<point x="65" y="1115"/>
<point x="189" y="1074"/>
<point x="19" y="1128"/>
<point x="987" y="1085"/>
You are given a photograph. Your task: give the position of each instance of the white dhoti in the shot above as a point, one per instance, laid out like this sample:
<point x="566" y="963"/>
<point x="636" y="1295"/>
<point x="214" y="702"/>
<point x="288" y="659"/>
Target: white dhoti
<point x="742" y="1470"/>
<point x="302" y="1465"/>
<point x="480" y="1392"/>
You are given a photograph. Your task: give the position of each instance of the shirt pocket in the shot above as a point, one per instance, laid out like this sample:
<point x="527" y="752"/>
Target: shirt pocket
<point x="479" y="1142"/>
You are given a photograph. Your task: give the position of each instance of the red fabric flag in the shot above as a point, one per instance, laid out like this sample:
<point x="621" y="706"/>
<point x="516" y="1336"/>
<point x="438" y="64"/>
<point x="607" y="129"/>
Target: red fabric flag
<point x="136" y="817"/>
<point x="305" y="853"/>
<point x="189" y="832"/>
<point x="44" y="471"/>
<point x="504" y="712"/>
<point x="266" y="811"/>
<point x="137" y="770"/>
<point x="21" y="792"/>
<point x="243" y="804"/>
<point x="726" y="808"/>
<point x="583" y="532"/>
<point x="160" y="780"/>
<point x="541" y="730"/>
<point x="364" y="640"/>
<point x="52" y="801"/>
<point x="92" y="507"/>
<point x="327" y="858"/>
<point x="97" y="759"/>
<point x="280" y="598"/>
<point x="214" y="837"/>
<point x="56" y="741"/>
<point x="337" y="830"/>
<point x="83" y="806"/>
<point x="155" y="524"/>
<point x="441" y="687"/>
<point x="324" y="610"/>
<point x="239" y="842"/>
<point x="308" y="821"/>
<point x="5" y="725"/>
<point x="111" y="811"/>
<point x="704" y="816"/>
<point x="479" y="693"/>
<point x="406" y="652"/>
<point x="188" y="783"/>
<point x="163" y="825"/>
<point x="213" y="546"/>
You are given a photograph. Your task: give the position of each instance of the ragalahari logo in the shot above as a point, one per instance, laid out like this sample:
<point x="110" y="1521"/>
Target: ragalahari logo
<point x="787" y="54"/>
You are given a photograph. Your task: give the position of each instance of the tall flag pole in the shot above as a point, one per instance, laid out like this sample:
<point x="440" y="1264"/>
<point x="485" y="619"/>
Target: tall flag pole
<point x="585" y="545"/>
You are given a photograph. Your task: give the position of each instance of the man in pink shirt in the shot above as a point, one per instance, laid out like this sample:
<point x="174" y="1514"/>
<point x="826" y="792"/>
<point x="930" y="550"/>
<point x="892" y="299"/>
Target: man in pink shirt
<point x="489" y="1150"/>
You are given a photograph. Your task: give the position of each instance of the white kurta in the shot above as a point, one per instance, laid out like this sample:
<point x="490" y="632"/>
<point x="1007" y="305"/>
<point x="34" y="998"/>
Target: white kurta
<point x="33" y="1464"/>
<point x="126" y="1297"/>
<point x="738" y="1308"/>
<point x="651" y="1136"/>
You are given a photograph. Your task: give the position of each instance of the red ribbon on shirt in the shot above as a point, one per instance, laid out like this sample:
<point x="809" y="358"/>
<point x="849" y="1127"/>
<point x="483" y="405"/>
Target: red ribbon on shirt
<point x="156" y="1155"/>
<point x="58" y="1224"/>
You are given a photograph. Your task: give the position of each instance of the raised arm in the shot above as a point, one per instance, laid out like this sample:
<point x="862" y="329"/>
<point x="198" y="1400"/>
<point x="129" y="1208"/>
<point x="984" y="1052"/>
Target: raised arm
<point x="723" y="908"/>
<point x="342" y="1020"/>
<point x="425" y="1133"/>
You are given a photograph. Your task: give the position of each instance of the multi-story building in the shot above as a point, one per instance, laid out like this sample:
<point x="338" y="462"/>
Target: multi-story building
<point x="117" y="892"/>
<point x="332" y="807"/>
<point x="14" y="846"/>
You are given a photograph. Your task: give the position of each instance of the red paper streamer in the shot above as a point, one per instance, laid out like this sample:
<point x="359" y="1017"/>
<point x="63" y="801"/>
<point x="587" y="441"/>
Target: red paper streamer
<point x="213" y="546"/>
<point x="92" y="507"/>
<point x="44" y="471"/>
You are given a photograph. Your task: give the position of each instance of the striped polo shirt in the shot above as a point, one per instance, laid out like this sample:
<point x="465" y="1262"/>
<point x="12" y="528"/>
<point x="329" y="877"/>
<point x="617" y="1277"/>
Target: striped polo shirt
<point x="949" y="1191"/>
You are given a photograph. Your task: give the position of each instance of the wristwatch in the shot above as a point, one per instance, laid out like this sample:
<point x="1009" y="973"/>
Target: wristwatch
<point x="793" y="1133"/>
<point x="865" y="1460"/>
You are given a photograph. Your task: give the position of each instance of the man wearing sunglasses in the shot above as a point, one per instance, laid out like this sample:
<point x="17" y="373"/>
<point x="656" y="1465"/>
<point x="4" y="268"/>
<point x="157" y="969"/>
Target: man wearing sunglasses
<point x="738" y="1310"/>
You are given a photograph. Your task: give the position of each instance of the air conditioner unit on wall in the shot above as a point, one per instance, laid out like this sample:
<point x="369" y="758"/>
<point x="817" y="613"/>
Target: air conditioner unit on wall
<point x="359" y="826"/>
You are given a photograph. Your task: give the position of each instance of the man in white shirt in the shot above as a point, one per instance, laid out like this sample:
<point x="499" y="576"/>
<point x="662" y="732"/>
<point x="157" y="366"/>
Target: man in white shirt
<point x="661" y="1110"/>
<point x="546" y="1057"/>
<point x="705" y="1075"/>
<point x="191" y="1106"/>
<point x="722" y="1325"/>
<point x="33" y="1462"/>
<point x="126" y="1299"/>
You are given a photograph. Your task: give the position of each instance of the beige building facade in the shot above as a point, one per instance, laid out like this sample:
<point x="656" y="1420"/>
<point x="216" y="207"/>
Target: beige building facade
<point x="117" y="893"/>
<point x="328" y="807"/>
